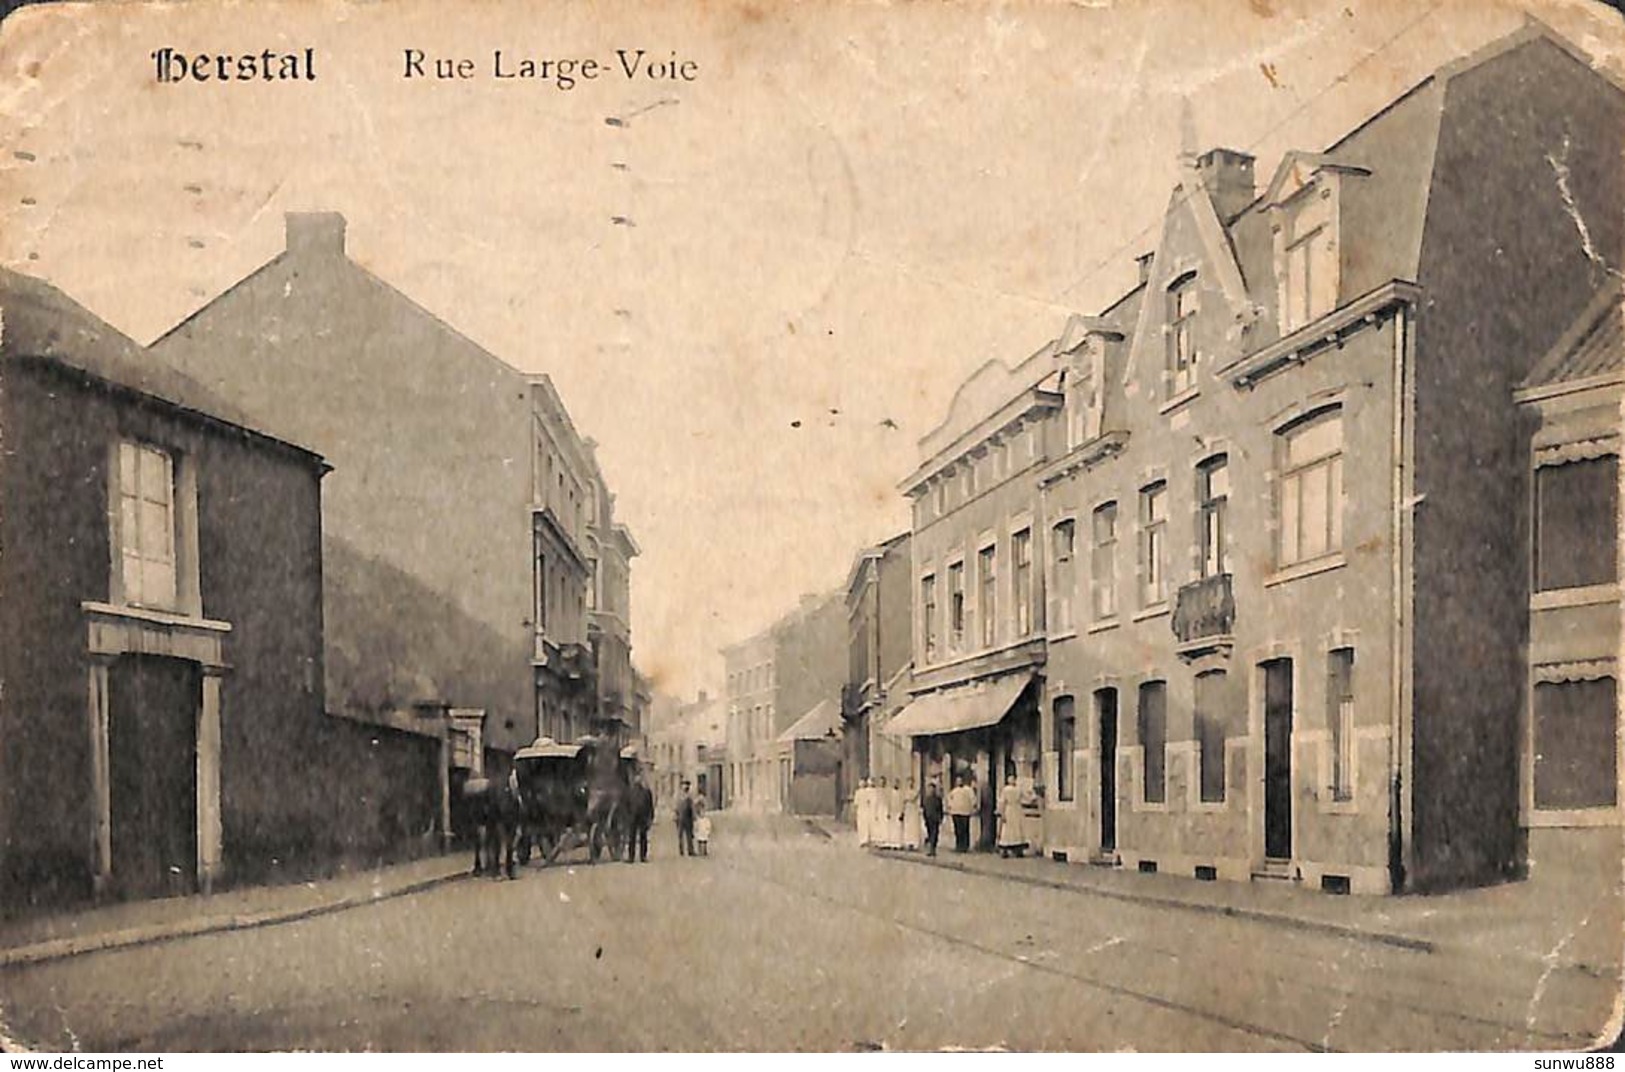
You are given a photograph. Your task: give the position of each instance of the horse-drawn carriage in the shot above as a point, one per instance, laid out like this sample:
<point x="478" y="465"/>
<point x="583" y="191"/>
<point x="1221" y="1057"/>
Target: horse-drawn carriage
<point x="560" y="796"/>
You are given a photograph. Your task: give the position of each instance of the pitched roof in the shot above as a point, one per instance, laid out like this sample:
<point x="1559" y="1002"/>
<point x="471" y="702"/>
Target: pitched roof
<point x="822" y="722"/>
<point x="1594" y="345"/>
<point x="40" y="322"/>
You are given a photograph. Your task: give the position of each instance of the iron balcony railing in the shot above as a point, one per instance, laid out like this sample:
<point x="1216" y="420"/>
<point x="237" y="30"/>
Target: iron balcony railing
<point x="1205" y="609"/>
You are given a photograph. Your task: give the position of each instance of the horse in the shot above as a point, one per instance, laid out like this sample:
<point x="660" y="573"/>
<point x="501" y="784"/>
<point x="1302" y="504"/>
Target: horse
<point x="497" y="811"/>
<point x="608" y="797"/>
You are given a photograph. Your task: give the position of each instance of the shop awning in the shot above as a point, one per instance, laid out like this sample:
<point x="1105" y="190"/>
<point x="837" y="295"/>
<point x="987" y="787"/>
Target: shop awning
<point x="956" y="710"/>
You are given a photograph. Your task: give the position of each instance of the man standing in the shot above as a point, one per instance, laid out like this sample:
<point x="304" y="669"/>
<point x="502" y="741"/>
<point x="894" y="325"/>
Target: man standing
<point x="642" y="805"/>
<point x="685" y="822"/>
<point x="931" y="811"/>
<point x="961" y="806"/>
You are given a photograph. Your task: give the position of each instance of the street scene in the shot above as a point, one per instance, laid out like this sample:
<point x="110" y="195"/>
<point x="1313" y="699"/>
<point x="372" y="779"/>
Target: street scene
<point x="786" y="938"/>
<point x="1150" y="583"/>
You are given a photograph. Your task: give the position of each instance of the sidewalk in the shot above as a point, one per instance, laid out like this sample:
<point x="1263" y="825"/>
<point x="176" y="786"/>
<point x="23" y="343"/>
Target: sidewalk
<point x="1570" y="912"/>
<point x="116" y="926"/>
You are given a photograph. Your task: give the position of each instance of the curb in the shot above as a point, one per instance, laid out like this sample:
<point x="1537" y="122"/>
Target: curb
<point x="1401" y="941"/>
<point x="62" y="948"/>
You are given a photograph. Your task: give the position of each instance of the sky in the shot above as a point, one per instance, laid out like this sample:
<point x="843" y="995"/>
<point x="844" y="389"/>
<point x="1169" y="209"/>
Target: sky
<point x="756" y="290"/>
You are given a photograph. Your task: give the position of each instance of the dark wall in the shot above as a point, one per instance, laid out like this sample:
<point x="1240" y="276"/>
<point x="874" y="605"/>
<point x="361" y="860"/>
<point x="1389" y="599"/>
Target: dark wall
<point x="1505" y="270"/>
<point x="299" y="790"/>
<point x="54" y="536"/>
<point x="897" y="610"/>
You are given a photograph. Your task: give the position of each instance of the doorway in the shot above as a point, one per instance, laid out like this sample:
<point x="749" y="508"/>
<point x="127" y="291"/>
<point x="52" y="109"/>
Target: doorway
<point x="1106" y="716"/>
<point x="1278" y="759"/>
<point x="153" y="706"/>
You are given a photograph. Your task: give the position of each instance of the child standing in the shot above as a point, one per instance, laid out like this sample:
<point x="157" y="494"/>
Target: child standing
<point x="702" y="827"/>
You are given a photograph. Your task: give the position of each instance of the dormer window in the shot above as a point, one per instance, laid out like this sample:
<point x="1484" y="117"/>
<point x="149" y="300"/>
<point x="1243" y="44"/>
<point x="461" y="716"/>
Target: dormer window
<point x="1181" y="302"/>
<point x="1307" y="263"/>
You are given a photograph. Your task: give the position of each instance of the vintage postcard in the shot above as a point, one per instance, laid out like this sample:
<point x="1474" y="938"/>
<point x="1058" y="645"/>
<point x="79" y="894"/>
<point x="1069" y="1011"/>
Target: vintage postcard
<point x="850" y="525"/>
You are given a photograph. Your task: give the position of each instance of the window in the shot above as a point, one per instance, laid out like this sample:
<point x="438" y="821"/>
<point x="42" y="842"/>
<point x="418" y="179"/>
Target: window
<point x="1021" y="554"/>
<point x="1340" y="720"/>
<point x="928" y="615"/>
<point x="1309" y="262"/>
<point x="939" y="497"/>
<point x="1153" y="544"/>
<point x="1213" y="497"/>
<point x="1576" y="528"/>
<point x="146" y="536"/>
<point x="956" y="606"/>
<point x="1063" y="552"/>
<point x="1211" y="719"/>
<point x="987" y="604"/>
<point x="1103" y="561"/>
<point x="1066" y="742"/>
<point x="970" y="478"/>
<point x="1575" y="747"/>
<point x="1153" y="728"/>
<point x="1311" y="495"/>
<point x="1181" y="348"/>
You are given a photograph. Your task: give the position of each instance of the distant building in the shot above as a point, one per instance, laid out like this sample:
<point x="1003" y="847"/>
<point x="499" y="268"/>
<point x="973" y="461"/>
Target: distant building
<point x="773" y="679"/>
<point x="161" y="692"/>
<point x="880" y="651"/>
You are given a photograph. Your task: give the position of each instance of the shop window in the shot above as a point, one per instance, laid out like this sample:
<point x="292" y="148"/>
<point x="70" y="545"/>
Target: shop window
<point x="1577" y="523"/>
<point x="1575" y="746"/>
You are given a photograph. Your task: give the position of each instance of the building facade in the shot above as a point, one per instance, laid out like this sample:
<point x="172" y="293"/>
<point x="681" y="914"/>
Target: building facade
<point x="435" y="598"/>
<point x="1283" y="508"/>
<point x="564" y="514"/>
<point x="1571" y="728"/>
<point x="161" y="690"/>
<point x="880" y="653"/>
<point x="978" y="645"/>
<point x="773" y="679"/>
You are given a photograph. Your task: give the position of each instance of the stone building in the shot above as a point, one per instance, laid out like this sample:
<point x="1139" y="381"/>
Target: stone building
<point x="460" y="528"/>
<point x="880" y="652"/>
<point x="1281" y="516"/>
<point x="773" y="679"/>
<point x="161" y="689"/>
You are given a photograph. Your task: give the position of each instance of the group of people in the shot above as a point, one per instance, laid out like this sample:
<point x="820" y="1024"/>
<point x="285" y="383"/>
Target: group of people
<point x="693" y="822"/>
<point x="887" y="817"/>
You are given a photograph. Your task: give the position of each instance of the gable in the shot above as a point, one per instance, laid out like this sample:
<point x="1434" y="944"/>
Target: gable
<point x="1194" y="245"/>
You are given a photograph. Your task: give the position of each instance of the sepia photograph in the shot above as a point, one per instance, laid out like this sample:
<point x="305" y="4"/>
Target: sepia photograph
<point x="738" y="526"/>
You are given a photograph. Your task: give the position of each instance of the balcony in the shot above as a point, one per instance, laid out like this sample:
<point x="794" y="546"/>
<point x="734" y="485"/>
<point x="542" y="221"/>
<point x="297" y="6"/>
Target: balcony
<point x="1204" y="618"/>
<point x="575" y="661"/>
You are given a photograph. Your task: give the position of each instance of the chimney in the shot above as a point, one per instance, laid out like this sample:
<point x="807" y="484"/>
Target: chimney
<point x="316" y="232"/>
<point x="1228" y="176"/>
<point x="1144" y="261"/>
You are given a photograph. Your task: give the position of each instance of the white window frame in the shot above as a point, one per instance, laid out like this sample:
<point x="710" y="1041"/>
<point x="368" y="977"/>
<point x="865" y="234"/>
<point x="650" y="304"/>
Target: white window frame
<point x="1099" y="548"/>
<point x="1153" y="544"/>
<point x="1291" y="522"/>
<point x="130" y="508"/>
